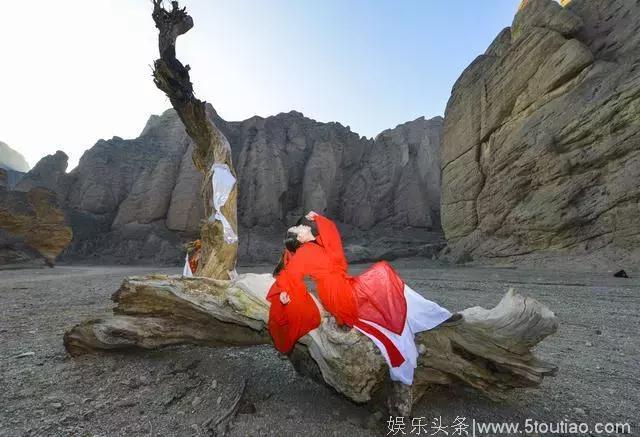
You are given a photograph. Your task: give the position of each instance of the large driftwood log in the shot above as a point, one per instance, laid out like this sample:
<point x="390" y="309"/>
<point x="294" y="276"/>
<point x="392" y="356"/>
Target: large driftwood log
<point x="489" y="350"/>
<point x="211" y="146"/>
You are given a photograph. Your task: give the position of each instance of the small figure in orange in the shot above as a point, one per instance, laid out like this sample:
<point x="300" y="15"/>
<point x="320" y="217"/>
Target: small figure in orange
<point x="194" y="249"/>
<point x="377" y="302"/>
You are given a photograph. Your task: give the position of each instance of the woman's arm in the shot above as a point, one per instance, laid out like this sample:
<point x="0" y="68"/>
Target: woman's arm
<point x="293" y="312"/>
<point x="330" y="239"/>
<point x="290" y="280"/>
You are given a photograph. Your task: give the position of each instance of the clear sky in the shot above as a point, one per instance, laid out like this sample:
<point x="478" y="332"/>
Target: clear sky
<point x="80" y="70"/>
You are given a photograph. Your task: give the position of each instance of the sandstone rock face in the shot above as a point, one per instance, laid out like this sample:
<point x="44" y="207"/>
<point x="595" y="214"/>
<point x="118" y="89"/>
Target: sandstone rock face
<point x="541" y="142"/>
<point x="4" y="180"/>
<point x="31" y="224"/>
<point x="49" y="172"/>
<point x="278" y="158"/>
<point x="288" y="164"/>
<point x="13" y="177"/>
<point x="118" y="197"/>
<point x="138" y="200"/>
<point x="398" y="180"/>
<point x="186" y="208"/>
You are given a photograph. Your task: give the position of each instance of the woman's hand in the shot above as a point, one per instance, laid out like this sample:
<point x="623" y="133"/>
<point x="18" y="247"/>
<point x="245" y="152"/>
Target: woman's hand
<point x="311" y="215"/>
<point x="284" y="298"/>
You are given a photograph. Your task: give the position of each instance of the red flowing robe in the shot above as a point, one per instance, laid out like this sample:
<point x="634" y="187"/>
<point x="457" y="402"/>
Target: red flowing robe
<point x="376" y="295"/>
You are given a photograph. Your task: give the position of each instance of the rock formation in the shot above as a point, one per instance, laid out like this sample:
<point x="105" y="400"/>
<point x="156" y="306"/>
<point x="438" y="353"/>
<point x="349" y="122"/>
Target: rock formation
<point x="4" y="180"/>
<point x="13" y="177"/>
<point x="49" y="172"/>
<point x="139" y="199"/>
<point x="118" y="196"/>
<point x="288" y="164"/>
<point x="541" y="142"/>
<point x="398" y="180"/>
<point x="32" y="225"/>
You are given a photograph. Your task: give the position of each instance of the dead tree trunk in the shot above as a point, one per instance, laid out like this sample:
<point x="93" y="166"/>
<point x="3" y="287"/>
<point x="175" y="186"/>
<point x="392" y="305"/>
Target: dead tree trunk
<point x="490" y="350"/>
<point x="211" y="146"/>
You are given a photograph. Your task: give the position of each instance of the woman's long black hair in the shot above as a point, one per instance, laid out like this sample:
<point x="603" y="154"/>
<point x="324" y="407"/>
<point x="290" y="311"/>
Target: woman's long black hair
<point x="291" y="241"/>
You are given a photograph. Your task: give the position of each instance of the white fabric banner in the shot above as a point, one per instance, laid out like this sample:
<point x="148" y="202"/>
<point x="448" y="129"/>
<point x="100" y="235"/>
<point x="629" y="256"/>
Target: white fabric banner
<point x="223" y="182"/>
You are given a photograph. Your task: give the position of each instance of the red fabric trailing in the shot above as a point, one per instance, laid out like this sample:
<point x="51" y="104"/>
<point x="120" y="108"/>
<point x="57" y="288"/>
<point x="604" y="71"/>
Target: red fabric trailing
<point x="395" y="357"/>
<point x="380" y="294"/>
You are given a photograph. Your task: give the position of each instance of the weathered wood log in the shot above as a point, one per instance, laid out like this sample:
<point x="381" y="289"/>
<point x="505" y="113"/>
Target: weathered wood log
<point x="489" y="349"/>
<point x="218" y="257"/>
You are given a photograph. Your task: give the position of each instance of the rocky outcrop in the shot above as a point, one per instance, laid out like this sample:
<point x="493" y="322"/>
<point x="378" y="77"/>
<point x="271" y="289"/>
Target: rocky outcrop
<point x="4" y="180"/>
<point x="139" y="199"/>
<point x="288" y="164"/>
<point x="398" y="180"/>
<point x="541" y="142"/>
<point x="49" y="172"/>
<point x="13" y="177"/>
<point x="32" y="225"/>
<point x="118" y="197"/>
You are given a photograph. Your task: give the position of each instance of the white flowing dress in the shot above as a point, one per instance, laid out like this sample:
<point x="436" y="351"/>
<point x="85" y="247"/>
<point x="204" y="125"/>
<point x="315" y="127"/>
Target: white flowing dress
<point x="422" y="315"/>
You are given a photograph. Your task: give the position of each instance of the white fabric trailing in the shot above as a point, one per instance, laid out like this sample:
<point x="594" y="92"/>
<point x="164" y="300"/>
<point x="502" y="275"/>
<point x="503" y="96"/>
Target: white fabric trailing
<point x="186" y="271"/>
<point x="422" y="315"/>
<point x="223" y="182"/>
<point x="233" y="274"/>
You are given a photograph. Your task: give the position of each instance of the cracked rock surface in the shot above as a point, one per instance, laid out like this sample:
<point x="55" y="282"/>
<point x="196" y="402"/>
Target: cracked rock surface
<point x="541" y="142"/>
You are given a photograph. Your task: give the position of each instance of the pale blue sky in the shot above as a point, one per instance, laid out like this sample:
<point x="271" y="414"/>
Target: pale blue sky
<point x="83" y="66"/>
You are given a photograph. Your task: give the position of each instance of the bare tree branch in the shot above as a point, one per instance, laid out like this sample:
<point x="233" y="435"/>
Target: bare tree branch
<point x="211" y="146"/>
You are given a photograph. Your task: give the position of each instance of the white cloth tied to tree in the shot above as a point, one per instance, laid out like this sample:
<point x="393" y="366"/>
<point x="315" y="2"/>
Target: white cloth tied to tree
<point x="223" y="182"/>
<point x="186" y="271"/>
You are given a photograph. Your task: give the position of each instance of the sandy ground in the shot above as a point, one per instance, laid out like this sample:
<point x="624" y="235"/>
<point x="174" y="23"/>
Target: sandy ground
<point x="175" y="391"/>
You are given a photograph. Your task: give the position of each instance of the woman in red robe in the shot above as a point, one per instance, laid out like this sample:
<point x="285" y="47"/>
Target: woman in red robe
<point x="194" y="250"/>
<point x="377" y="302"/>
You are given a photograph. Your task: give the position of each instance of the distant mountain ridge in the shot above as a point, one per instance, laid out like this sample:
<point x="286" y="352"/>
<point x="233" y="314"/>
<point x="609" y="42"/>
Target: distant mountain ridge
<point x="11" y="159"/>
<point x="14" y="164"/>
<point x="139" y="199"/>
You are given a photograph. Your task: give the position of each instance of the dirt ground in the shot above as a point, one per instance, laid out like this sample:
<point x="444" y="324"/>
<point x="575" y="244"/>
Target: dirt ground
<point x="179" y="390"/>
